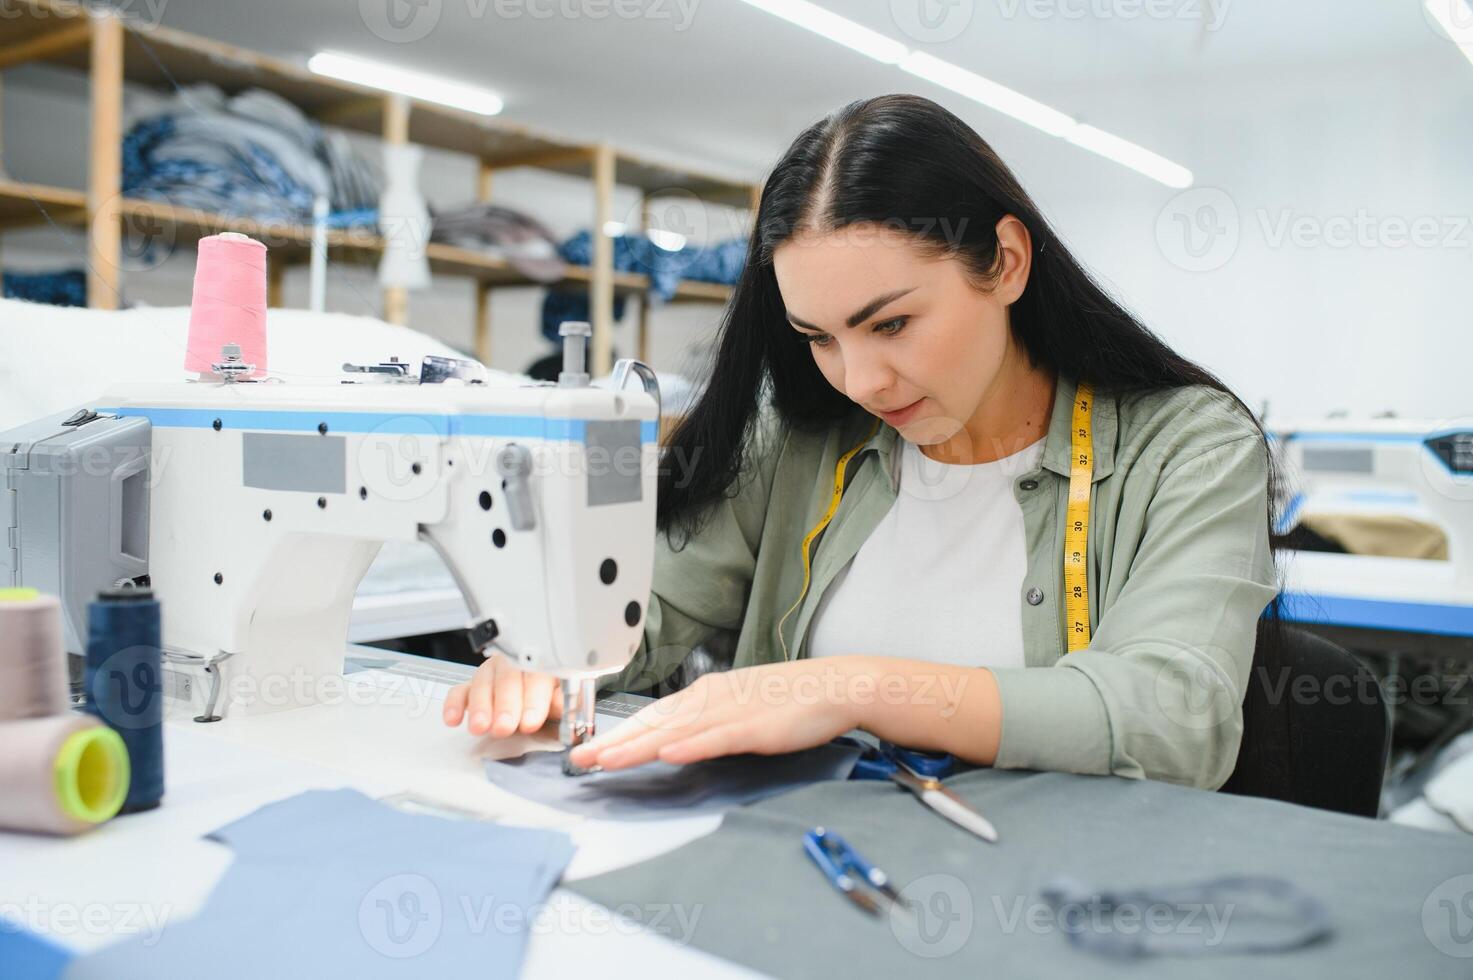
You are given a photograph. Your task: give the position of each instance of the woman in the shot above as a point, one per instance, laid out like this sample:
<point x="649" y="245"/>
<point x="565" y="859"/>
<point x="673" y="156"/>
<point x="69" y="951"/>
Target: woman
<point x="878" y="493"/>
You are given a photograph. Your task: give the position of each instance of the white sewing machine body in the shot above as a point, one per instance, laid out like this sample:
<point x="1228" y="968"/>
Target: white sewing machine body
<point x="1417" y="470"/>
<point x="270" y="500"/>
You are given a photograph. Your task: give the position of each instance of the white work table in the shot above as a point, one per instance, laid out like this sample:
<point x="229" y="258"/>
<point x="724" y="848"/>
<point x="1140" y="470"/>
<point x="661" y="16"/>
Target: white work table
<point x="383" y="736"/>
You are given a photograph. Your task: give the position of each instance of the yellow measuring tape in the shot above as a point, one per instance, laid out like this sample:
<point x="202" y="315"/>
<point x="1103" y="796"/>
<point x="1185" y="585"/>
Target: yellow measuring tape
<point x="838" y="492"/>
<point x="1076" y="526"/>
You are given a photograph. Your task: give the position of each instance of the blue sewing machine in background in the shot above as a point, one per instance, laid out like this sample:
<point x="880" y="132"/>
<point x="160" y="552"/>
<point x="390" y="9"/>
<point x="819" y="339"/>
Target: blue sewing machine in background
<point x="1407" y="477"/>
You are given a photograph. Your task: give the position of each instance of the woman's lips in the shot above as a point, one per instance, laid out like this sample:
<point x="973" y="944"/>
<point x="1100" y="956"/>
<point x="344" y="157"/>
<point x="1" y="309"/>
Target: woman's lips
<point x="900" y="417"/>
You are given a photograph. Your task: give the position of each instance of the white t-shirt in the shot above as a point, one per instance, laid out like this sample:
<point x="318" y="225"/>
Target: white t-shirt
<point x="941" y="576"/>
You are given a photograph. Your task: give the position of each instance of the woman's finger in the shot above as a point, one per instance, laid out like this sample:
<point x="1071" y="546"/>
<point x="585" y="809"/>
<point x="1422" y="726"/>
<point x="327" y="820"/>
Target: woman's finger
<point x="634" y="751"/>
<point x="455" y="702"/>
<point x="538" y="691"/>
<point x="478" y="698"/>
<point x="506" y="698"/>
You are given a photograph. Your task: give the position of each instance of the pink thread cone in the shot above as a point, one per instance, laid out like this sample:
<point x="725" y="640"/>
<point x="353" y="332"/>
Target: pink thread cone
<point x="229" y="305"/>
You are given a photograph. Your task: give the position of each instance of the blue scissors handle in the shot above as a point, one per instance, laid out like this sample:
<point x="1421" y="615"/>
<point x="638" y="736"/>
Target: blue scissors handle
<point x="880" y="762"/>
<point x="845" y="867"/>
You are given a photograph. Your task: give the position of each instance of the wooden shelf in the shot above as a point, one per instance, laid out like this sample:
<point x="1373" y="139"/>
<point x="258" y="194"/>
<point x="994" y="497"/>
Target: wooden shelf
<point x="22" y="204"/>
<point x="292" y="244"/>
<point x="177" y="226"/>
<point x="162" y="56"/>
<point x="112" y="53"/>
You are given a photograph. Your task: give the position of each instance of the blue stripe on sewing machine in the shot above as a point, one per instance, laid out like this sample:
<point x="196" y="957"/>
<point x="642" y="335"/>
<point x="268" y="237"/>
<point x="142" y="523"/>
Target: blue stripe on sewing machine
<point x="383" y="423"/>
<point x="879" y="761"/>
<point x="1383" y="614"/>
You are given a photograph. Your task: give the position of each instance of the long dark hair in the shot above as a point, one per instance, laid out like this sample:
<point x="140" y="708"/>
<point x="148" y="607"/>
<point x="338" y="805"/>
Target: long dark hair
<point x="904" y="162"/>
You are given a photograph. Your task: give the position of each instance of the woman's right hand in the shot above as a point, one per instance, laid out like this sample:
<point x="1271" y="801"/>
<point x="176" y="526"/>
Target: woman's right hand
<point x="503" y="699"/>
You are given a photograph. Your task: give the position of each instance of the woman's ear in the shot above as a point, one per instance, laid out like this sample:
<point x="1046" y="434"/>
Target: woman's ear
<point x="1014" y="259"/>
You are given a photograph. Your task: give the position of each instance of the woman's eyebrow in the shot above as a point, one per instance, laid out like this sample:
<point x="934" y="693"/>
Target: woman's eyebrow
<point x="860" y="315"/>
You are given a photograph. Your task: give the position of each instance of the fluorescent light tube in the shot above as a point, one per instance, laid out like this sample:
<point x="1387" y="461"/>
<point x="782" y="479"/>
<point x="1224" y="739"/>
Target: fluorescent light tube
<point x="987" y="92"/>
<point x="1135" y="157"/>
<point x="811" y="16"/>
<point x="670" y="241"/>
<point x="376" y="74"/>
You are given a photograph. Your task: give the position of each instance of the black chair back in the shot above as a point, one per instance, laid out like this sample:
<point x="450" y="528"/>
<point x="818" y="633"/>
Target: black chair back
<point x="1316" y="730"/>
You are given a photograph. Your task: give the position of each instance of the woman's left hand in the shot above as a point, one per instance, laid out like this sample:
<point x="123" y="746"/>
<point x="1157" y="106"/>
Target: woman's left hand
<point x="767" y="709"/>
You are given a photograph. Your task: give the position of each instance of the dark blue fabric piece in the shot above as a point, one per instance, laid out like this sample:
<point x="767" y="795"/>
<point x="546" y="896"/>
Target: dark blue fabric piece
<point x="560" y="305"/>
<point x="660" y="791"/>
<point x="66" y="287"/>
<point x="722" y="262"/>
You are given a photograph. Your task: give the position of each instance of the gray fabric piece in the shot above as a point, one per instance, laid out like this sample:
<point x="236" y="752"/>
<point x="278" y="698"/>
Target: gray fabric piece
<point x="659" y="791"/>
<point x="334" y="884"/>
<point x="1392" y="893"/>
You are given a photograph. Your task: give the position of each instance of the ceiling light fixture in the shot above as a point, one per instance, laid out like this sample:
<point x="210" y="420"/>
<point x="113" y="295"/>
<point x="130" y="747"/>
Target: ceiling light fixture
<point x="376" y="74"/>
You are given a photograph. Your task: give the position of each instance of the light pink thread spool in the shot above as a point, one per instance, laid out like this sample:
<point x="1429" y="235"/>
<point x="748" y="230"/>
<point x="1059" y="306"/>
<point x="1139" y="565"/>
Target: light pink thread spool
<point x="229" y="304"/>
<point x="33" y="678"/>
<point x="61" y="771"/>
<point x="60" y="775"/>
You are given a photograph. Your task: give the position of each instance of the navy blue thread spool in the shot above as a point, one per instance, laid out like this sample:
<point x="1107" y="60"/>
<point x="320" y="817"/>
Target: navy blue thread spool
<point x="124" y="679"/>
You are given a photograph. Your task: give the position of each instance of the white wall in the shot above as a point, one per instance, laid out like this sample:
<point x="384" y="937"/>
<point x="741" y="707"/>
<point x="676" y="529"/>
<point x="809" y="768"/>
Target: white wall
<point x="1349" y="311"/>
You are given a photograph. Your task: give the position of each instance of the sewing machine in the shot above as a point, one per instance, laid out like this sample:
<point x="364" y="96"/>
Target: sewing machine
<point x="1416" y="472"/>
<point x="253" y="509"/>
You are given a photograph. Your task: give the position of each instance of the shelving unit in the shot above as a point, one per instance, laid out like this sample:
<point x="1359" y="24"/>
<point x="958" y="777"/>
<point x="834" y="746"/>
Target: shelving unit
<point x="113" y="53"/>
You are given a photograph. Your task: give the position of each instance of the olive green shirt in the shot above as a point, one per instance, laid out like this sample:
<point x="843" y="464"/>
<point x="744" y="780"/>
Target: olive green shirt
<point x="1179" y="571"/>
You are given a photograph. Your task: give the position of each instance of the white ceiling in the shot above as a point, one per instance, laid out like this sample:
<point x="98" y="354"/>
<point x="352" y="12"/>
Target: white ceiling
<point x="724" y="84"/>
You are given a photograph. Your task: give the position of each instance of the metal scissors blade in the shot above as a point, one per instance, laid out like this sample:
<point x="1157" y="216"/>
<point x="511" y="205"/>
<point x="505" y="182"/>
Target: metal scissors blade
<point x="936" y="796"/>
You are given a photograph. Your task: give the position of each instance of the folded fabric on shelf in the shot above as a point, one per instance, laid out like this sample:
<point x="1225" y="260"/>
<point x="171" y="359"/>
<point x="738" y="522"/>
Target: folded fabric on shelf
<point x="64" y="287"/>
<point x="251" y="155"/>
<point x="520" y="238"/>
<point x="721" y="262"/>
<point x="561" y="305"/>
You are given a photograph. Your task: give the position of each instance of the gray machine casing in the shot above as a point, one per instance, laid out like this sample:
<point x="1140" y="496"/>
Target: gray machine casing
<point x="74" y="493"/>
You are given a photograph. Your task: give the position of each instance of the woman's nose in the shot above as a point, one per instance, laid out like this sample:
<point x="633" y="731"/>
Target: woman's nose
<point x="866" y="376"/>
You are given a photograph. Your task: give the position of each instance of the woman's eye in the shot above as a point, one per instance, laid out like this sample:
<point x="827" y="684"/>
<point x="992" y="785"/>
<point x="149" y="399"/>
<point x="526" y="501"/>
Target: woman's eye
<point x="891" y="326"/>
<point x="817" y="339"/>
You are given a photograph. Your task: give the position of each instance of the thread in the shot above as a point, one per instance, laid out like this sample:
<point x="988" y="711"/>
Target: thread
<point x="229" y="303"/>
<point x="60" y="774"/>
<point x="33" y="677"/>
<point x="124" y="679"/>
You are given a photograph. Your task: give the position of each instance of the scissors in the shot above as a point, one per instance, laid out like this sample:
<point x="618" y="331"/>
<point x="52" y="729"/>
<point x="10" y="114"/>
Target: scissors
<point x="849" y="872"/>
<point x="920" y="773"/>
